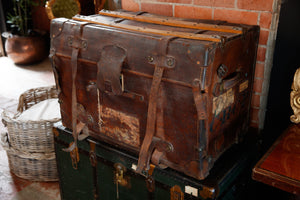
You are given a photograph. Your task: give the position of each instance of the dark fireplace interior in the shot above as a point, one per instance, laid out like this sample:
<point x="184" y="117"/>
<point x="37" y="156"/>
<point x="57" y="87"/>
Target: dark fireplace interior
<point x="285" y="63"/>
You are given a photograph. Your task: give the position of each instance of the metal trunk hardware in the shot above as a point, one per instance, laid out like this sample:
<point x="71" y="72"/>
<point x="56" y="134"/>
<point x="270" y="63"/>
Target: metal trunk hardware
<point x="93" y="160"/>
<point x="176" y="193"/>
<point x="120" y="178"/>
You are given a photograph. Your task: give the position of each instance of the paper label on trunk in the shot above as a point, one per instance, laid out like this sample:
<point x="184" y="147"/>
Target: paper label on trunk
<point x="223" y="101"/>
<point x="191" y="190"/>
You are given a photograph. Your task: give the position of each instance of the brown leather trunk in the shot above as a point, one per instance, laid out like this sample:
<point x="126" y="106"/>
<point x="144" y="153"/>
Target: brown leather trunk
<point x="176" y="92"/>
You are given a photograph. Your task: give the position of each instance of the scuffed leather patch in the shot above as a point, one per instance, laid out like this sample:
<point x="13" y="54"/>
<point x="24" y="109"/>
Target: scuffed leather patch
<point x="120" y="126"/>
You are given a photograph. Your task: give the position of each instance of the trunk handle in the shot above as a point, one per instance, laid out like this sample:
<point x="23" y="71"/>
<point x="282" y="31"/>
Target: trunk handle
<point x="109" y="69"/>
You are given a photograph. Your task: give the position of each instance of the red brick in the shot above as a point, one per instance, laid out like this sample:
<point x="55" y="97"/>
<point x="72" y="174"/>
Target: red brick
<point x="264" y="5"/>
<point x="236" y="16"/>
<point x="175" y="1"/>
<point x="215" y="3"/>
<point x="130" y="5"/>
<point x="263" y="37"/>
<point x="203" y="2"/>
<point x="161" y="9"/>
<point x="259" y="70"/>
<point x="254" y="114"/>
<point x="265" y="20"/>
<point x="261" y="53"/>
<point x="255" y="102"/>
<point x="257" y="86"/>
<point x="192" y="12"/>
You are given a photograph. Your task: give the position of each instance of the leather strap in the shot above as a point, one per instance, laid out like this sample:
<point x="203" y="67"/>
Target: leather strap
<point x="160" y="63"/>
<point x="56" y="76"/>
<point x="109" y="69"/>
<point x="151" y="118"/>
<point x="74" y="93"/>
<point x="158" y="154"/>
<point x="76" y="44"/>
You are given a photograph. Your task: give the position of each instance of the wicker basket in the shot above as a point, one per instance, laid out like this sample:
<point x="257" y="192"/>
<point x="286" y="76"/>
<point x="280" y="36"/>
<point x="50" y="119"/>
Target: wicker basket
<point x="31" y="136"/>
<point x="30" y="145"/>
<point x="32" y="166"/>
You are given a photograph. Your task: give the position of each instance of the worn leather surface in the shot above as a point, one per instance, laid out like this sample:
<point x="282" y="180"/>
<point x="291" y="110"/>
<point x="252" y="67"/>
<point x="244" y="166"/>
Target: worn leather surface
<point x="121" y="117"/>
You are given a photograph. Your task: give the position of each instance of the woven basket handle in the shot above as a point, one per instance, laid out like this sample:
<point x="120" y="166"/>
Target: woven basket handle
<point x="4" y="140"/>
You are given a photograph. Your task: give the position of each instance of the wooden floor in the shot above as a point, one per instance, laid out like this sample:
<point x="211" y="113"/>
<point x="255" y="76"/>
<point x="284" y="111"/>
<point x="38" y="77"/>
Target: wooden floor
<point x="15" y="80"/>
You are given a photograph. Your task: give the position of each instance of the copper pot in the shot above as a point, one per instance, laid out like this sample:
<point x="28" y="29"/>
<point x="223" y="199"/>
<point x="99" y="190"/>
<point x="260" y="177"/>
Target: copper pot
<point x="26" y="49"/>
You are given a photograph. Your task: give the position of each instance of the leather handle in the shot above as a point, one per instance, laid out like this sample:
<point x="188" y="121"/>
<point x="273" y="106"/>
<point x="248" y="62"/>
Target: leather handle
<point x="231" y="80"/>
<point x="227" y="83"/>
<point x="109" y="69"/>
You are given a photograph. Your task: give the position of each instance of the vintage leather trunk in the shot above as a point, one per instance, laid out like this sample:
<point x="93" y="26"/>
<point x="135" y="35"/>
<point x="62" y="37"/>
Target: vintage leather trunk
<point x="175" y="92"/>
<point x="105" y="172"/>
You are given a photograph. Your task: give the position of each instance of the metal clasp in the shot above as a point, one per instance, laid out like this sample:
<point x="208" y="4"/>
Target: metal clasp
<point x="150" y="182"/>
<point x="120" y="179"/>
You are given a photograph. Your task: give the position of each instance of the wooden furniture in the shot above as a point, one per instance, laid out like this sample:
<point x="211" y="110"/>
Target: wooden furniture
<point x="280" y="166"/>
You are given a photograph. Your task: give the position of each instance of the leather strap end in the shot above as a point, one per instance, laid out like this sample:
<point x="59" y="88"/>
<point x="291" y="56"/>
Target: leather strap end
<point x="70" y="148"/>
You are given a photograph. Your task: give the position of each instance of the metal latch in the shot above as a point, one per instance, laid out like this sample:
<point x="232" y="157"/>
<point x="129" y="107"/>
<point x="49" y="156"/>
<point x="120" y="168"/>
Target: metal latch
<point x="176" y="193"/>
<point x="120" y="179"/>
<point x="150" y="182"/>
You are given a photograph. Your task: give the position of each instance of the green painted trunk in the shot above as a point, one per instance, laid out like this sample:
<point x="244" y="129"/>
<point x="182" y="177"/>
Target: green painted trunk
<point x="89" y="182"/>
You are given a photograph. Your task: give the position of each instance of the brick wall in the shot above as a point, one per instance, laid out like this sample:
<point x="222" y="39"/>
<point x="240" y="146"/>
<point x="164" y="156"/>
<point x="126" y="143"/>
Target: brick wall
<point x="255" y="12"/>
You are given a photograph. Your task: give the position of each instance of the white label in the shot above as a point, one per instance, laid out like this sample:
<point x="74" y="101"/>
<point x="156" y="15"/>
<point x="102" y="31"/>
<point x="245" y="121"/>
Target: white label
<point x="223" y="101"/>
<point x="133" y="166"/>
<point x="191" y="190"/>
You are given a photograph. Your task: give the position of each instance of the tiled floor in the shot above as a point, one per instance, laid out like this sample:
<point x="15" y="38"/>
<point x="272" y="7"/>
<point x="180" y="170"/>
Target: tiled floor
<point x="14" y="80"/>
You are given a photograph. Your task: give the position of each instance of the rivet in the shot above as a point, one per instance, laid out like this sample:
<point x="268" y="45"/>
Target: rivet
<point x="52" y="51"/>
<point x="92" y="83"/>
<point x="150" y="59"/>
<point x="90" y="119"/>
<point x="170" y="62"/>
<point x="84" y="44"/>
<point x="209" y="159"/>
<point x="70" y="41"/>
